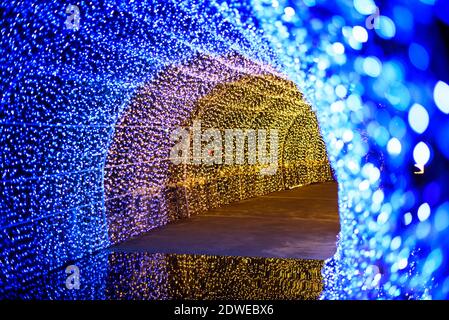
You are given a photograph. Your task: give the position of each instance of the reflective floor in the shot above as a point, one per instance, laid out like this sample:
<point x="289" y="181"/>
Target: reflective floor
<point x="270" y="247"/>
<point x="145" y="276"/>
<point x="300" y="223"/>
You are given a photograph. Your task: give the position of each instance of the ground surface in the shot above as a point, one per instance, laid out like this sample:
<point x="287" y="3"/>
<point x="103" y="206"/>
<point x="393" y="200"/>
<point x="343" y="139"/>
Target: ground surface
<point x="298" y="223"/>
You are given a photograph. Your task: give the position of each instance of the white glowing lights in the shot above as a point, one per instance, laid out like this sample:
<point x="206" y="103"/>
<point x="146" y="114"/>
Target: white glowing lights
<point x="364" y="185"/>
<point x="372" y="66"/>
<point x="394" y="147"/>
<point x="341" y="91"/>
<point x="395" y="243"/>
<point x="441" y="96"/>
<point x="387" y="28"/>
<point x="347" y="135"/>
<point x="421" y="153"/>
<point x="360" y="34"/>
<point x="402" y="263"/>
<point x="338" y="48"/>
<point x="378" y="196"/>
<point x="423" y="212"/>
<point x="365" y="7"/>
<point x="408" y="218"/>
<point x="418" y="118"/>
<point x="289" y="12"/>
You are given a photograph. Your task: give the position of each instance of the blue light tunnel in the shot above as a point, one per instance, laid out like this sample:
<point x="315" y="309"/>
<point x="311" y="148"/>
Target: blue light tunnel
<point x="380" y="91"/>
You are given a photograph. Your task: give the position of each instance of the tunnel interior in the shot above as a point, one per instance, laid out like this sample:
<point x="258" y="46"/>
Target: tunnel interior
<point x="84" y="158"/>
<point x="145" y="189"/>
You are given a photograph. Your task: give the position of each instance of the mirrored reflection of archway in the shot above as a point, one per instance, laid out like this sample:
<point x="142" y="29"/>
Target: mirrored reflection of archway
<point x="144" y="189"/>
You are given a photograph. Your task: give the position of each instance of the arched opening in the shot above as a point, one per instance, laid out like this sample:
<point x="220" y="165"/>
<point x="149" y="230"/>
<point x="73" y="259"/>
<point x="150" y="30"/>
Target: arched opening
<point x="144" y="189"/>
<point x="63" y="87"/>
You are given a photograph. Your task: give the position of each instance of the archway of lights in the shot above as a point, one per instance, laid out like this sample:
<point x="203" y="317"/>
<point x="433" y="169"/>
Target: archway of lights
<point x="65" y="92"/>
<point x="144" y="189"/>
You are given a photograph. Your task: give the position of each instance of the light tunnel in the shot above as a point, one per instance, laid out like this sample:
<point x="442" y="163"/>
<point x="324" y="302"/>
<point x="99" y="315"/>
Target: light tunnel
<point x="91" y="94"/>
<point x="144" y="189"/>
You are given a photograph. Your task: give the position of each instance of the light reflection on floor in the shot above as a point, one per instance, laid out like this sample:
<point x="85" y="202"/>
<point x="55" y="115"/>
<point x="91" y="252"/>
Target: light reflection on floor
<point x="145" y="276"/>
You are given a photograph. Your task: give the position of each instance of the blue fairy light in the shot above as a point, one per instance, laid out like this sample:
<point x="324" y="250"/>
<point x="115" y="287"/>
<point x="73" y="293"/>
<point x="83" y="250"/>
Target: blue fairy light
<point x="394" y="146"/>
<point x="365" y="7"/>
<point x="418" y="56"/>
<point x="423" y="212"/>
<point x="372" y="66"/>
<point x="387" y="28"/>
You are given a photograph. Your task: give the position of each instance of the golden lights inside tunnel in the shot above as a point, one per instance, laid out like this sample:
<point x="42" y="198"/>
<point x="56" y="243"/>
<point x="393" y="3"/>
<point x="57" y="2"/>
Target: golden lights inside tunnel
<point x="144" y="189"/>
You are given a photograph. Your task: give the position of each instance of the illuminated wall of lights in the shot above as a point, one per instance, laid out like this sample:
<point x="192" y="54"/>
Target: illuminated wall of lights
<point x="378" y="85"/>
<point x="144" y="189"/>
<point x="376" y="72"/>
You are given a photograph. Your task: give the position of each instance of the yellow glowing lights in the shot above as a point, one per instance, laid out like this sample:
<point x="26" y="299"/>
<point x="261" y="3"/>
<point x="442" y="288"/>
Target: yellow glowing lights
<point x="223" y="93"/>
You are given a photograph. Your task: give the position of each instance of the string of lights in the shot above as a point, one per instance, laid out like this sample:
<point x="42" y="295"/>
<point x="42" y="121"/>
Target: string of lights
<point x="87" y="97"/>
